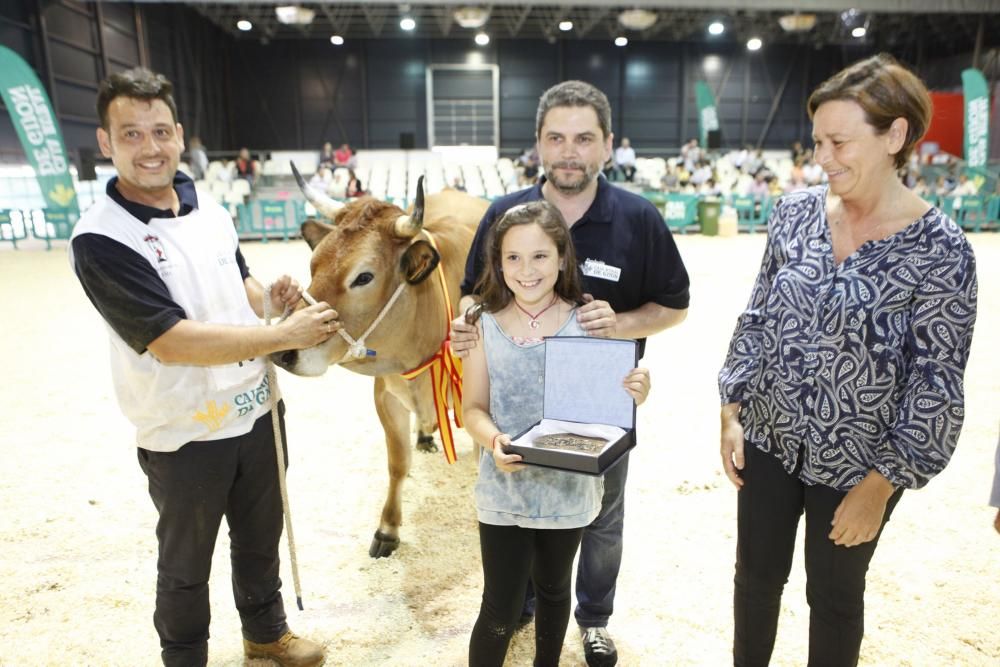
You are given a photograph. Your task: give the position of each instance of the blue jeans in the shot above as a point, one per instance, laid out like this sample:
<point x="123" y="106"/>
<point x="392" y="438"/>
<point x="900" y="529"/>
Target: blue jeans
<point x="601" y="553"/>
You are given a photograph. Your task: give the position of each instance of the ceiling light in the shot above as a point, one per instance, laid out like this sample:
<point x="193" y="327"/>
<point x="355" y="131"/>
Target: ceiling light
<point x="859" y="32"/>
<point x="336" y="40"/>
<point x="294" y="15"/>
<point x="797" y="22"/>
<point x="407" y="23"/>
<point x="754" y="44"/>
<point x="565" y="26"/>
<point x="637" y="19"/>
<point x="716" y="28"/>
<point x="244" y="25"/>
<point x="471" y="17"/>
<point x="482" y="39"/>
<point x="621" y="41"/>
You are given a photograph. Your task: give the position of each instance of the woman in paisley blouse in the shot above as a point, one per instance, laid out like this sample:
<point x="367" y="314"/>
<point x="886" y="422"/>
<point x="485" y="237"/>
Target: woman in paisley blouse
<point x="843" y="382"/>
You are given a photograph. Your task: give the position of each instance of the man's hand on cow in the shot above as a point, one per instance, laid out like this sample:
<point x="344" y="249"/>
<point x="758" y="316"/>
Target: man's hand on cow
<point x="505" y="462"/>
<point x="596" y="317"/>
<point x="636" y="383"/>
<point x="285" y="293"/>
<point x="464" y="336"/>
<point x="309" y="326"/>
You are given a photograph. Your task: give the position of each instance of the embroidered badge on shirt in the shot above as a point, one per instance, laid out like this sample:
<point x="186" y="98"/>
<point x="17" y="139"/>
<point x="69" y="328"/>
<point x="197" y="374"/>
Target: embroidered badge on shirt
<point x="157" y="247"/>
<point x="595" y="268"/>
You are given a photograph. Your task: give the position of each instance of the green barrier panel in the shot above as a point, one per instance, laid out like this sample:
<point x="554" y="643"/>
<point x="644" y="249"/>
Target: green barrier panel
<point x="273" y="219"/>
<point x="969" y="211"/>
<point x="750" y="212"/>
<point x="993" y="210"/>
<point x="680" y="211"/>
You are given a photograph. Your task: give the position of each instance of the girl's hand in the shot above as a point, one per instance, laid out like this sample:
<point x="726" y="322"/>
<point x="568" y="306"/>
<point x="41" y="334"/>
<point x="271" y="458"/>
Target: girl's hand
<point x="505" y="462"/>
<point x="637" y="384"/>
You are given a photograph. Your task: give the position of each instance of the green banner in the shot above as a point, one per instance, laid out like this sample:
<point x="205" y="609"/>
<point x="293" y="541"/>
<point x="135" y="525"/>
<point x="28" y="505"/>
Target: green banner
<point x="708" y="115"/>
<point x="977" y="118"/>
<point x="36" y="126"/>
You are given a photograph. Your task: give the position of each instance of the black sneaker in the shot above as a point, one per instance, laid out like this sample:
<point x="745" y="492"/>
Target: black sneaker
<point x="598" y="648"/>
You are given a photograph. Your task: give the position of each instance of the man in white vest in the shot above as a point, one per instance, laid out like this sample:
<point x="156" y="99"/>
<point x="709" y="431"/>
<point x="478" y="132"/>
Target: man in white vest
<point x="188" y="362"/>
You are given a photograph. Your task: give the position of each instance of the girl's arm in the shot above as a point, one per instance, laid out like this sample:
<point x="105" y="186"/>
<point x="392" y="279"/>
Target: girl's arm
<point x="476" y="408"/>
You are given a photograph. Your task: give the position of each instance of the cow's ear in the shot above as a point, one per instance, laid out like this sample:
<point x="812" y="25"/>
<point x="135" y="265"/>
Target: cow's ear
<point x="314" y="231"/>
<point x="418" y="261"/>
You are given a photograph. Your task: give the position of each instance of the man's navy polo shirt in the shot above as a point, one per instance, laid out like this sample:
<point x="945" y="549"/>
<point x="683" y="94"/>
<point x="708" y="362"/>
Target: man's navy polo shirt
<point x="620" y="229"/>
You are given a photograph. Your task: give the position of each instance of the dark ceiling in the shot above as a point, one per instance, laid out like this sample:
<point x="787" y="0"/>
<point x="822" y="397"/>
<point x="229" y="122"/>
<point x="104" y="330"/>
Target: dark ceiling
<point x="938" y="33"/>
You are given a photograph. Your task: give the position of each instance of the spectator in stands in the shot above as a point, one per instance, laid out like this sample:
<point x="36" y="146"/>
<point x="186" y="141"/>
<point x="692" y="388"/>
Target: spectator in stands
<point x="760" y="188"/>
<point x="798" y="151"/>
<point x="198" y="159"/>
<point x="710" y="188"/>
<point x="326" y="156"/>
<point x="344" y="157"/>
<point x="528" y="161"/>
<point x="921" y="189"/>
<point x="942" y="188"/>
<point x="691" y="154"/>
<point x="797" y="178"/>
<point x="754" y="163"/>
<point x="702" y="173"/>
<point x="625" y="159"/>
<point x="965" y="187"/>
<point x="812" y="172"/>
<point x="246" y="167"/>
<point x="322" y="178"/>
<point x="670" y="182"/>
<point x="354" y="187"/>
<point x="458" y="183"/>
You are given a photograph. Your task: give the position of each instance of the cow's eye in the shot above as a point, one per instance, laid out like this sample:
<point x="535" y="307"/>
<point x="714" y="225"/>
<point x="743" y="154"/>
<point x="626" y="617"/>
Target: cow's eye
<point x="363" y="279"/>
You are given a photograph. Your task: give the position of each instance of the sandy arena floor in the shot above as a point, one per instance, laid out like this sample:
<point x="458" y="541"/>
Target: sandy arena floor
<point x="77" y="547"/>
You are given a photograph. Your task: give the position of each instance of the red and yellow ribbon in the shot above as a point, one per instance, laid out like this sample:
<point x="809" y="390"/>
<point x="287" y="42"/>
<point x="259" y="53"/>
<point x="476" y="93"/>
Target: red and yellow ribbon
<point x="446" y="374"/>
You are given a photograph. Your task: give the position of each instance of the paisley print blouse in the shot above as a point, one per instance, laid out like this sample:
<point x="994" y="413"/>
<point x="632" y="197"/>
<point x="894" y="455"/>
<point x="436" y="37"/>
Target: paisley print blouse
<point x="842" y="369"/>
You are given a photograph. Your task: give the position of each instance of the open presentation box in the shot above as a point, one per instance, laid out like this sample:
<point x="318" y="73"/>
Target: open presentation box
<point x="583" y="396"/>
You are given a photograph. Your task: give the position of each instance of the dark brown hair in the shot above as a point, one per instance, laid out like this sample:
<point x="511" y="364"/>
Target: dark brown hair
<point x="574" y="94"/>
<point x="493" y="290"/>
<point x="138" y="83"/>
<point x="886" y="91"/>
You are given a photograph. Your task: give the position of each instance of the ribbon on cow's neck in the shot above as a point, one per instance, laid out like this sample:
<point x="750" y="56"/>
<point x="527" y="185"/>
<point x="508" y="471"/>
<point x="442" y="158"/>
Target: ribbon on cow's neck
<point x="446" y="373"/>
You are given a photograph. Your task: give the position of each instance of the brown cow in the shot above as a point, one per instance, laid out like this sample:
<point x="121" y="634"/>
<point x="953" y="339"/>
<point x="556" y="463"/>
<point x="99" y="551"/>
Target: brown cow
<point x="370" y="251"/>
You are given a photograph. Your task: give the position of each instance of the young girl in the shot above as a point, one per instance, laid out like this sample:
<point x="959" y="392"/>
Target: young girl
<point x="530" y="518"/>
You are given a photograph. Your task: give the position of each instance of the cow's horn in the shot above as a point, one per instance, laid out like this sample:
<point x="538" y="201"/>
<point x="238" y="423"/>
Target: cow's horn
<point x="409" y="225"/>
<point x="325" y="205"/>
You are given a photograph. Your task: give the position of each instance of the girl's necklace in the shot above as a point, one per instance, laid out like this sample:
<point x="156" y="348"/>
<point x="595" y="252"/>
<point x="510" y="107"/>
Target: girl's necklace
<point x="533" y="319"/>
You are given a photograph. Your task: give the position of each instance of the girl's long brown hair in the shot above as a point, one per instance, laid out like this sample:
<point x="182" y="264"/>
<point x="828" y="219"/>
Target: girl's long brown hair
<point x="493" y="291"/>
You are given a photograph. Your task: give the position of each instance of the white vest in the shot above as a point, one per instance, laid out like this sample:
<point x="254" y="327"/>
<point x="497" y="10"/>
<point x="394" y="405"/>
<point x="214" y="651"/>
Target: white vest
<point x="195" y="255"/>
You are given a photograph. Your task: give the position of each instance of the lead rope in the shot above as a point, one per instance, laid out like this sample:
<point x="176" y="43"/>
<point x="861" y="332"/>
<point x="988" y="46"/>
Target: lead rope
<point x="356" y="349"/>
<point x="272" y="381"/>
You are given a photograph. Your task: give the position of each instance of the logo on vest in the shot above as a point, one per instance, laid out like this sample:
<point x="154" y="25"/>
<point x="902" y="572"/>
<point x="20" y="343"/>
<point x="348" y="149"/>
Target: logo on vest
<point x="154" y="243"/>
<point x="213" y="417"/>
<point x="248" y="400"/>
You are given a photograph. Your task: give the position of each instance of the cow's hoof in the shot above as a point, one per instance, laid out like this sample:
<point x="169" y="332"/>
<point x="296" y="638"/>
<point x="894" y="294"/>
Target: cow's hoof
<point x="382" y="545"/>
<point x="425" y="443"/>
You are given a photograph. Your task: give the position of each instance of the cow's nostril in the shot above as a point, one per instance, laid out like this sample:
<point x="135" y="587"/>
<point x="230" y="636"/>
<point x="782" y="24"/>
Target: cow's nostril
<point x="288" y="358"/>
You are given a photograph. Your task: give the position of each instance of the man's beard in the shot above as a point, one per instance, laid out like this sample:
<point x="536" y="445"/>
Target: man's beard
<point x="577" y="186"/>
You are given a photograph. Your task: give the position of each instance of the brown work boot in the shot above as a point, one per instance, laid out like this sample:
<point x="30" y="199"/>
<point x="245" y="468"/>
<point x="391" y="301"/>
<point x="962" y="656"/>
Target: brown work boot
<point x="288" y="651"/>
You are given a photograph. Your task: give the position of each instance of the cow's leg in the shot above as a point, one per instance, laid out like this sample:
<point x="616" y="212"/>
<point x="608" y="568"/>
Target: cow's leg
<point x="395" y="418"/>
<point x="426" y="442"/>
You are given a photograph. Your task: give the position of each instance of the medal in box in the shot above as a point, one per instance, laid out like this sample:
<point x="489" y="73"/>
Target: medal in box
<point x="588" y="419"/>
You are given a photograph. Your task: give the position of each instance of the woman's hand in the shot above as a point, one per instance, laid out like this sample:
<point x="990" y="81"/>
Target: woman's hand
<point x="731" y="443"/>
<point x="637" y="384"/>
<point x="505" y="462"/>
<point x="859" y="516"/>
